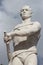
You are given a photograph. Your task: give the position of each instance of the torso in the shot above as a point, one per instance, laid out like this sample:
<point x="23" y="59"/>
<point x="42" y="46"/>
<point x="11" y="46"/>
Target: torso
<point x="25" y="42"/>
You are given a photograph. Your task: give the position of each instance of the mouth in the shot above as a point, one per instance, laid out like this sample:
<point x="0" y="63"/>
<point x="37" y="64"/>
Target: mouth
<point x="24" y="13"/>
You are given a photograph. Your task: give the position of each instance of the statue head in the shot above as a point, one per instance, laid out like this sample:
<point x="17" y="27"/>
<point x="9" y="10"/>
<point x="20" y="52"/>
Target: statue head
<point x="25" y="12"/>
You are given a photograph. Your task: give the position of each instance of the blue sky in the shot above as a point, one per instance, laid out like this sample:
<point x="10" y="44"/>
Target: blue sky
<point x="9" y="18"/>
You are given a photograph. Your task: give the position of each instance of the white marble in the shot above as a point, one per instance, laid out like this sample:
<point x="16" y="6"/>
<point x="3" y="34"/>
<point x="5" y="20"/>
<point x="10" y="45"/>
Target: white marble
<point x="25" y="36"/>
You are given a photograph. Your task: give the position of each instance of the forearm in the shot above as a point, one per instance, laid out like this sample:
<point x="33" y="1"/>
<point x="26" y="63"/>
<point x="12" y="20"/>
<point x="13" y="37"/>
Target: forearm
<point x="23" y="32"/>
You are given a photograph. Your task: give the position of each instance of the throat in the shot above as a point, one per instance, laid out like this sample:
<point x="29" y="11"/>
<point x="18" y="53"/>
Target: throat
<point x="27" y="20"/>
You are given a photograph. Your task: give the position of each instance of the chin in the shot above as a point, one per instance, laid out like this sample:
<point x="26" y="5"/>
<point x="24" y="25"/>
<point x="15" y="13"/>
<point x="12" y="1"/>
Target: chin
<point x="24" y="17"/>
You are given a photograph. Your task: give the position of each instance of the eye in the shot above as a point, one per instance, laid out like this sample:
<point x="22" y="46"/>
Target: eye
<point x="26" y="9"/>
<point x="22" y="10"/>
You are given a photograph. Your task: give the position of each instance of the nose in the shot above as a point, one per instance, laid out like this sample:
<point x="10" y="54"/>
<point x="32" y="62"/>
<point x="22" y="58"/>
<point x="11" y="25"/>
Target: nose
<point x="24" y="11"/>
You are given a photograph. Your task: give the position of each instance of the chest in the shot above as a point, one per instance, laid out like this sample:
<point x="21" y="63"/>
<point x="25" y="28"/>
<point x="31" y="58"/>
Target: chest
<point x="30" y="39"/>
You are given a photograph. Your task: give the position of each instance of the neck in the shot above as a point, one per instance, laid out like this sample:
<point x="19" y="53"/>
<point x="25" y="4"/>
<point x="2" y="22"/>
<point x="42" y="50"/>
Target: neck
<point x="27" y="20"/>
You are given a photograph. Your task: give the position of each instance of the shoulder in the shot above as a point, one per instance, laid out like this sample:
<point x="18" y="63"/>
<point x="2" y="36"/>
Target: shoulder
<point x="17" y="26"/>
<point x="37" y="24"/>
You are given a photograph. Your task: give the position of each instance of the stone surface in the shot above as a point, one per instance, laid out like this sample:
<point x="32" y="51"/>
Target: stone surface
<point x="25" y="37"/>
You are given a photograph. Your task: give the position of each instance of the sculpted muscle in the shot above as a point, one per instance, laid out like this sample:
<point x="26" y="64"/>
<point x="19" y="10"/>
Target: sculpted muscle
<point x="25" y="37"/>
<point x="28" y="29"/>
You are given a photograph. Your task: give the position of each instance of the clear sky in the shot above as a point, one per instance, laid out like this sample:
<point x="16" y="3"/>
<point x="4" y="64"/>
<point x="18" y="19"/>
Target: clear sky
<point x="9" y="18"/>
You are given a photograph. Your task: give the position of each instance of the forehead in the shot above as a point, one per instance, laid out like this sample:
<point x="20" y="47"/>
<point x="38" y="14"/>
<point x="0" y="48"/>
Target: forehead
<point x="26" y="7"/>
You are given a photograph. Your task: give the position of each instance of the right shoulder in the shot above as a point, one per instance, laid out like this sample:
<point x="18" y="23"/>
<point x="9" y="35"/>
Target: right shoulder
<point x="17" y="26"/>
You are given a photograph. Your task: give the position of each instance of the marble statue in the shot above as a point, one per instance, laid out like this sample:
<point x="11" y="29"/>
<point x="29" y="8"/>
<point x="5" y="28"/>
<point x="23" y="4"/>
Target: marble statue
<point x="25" y="37"/>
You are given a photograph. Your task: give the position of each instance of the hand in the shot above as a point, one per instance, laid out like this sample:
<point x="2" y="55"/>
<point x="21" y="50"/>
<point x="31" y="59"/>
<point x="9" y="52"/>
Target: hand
<point x="7" y="38"/>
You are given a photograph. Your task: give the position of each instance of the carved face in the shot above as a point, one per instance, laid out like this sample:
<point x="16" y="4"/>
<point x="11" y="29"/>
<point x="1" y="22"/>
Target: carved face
<point x="25" y="12"/>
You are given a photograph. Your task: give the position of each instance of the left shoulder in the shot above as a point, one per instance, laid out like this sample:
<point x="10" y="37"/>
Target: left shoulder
<point x="36" y="23"/>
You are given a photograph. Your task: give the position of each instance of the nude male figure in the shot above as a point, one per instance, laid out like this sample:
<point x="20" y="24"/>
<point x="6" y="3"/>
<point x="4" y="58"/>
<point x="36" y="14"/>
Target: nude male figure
<point x="25" y="37"/>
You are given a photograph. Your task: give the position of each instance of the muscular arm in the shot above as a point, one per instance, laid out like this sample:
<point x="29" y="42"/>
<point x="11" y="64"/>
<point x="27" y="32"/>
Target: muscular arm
<point x="29" y="30"/>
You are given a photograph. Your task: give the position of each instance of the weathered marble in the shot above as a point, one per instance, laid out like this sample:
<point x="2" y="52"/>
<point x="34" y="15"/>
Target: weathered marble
<point x="25" y="37"/>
